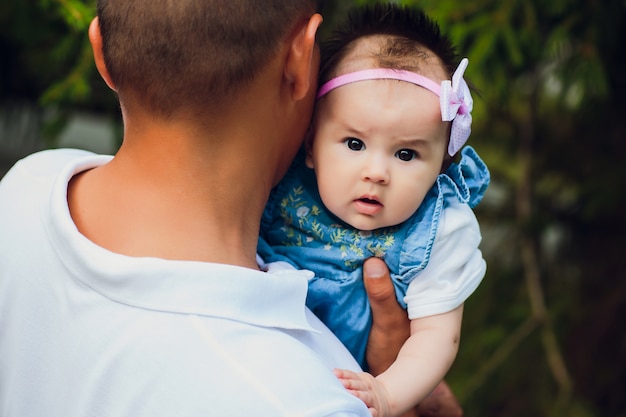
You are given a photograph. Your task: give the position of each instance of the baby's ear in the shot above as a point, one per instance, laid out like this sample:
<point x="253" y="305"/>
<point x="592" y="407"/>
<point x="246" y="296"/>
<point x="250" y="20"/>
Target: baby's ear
<point x="308" y="146"/>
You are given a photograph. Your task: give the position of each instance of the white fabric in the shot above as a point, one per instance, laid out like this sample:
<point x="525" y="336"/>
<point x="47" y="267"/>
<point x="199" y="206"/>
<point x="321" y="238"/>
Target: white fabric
<point x="87" y="332"/>
<point x="455" y="269"/>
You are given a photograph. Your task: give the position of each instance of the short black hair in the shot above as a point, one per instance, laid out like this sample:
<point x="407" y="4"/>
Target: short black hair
<point x="189" y="53"/>
<point x="412" y="37"/>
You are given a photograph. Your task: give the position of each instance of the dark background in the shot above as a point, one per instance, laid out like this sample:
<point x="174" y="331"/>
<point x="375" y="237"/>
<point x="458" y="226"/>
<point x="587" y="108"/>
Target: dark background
<point x="544" y="334"/>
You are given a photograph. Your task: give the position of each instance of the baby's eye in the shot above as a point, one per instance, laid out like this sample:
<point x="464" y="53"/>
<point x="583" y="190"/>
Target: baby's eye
<point x="406" y="155"/>
<point x="355" y="144"/>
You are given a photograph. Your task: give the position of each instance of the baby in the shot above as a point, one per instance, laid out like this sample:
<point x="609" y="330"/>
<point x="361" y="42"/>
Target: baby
<point x="384" y="173"/>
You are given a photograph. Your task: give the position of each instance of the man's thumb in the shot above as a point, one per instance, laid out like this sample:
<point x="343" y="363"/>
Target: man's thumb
<point x="377" y="282"/>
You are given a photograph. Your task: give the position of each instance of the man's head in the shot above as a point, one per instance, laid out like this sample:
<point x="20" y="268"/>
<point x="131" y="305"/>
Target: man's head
<point x="168" y="55"/>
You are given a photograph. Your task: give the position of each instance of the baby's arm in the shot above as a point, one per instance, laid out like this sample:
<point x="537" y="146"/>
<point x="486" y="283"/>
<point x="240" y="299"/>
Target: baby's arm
<point x="422" y="363"/>
<point x="455" y="269"/>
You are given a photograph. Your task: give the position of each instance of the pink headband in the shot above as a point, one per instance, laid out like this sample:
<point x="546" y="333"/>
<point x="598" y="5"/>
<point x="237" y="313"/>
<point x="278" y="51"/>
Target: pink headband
<point x="455" y="98"/>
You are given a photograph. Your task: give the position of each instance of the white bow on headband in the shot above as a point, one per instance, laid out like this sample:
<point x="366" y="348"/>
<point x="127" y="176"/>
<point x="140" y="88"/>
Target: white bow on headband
<point x="456" y="106"/>
<point x="455" y="98"/>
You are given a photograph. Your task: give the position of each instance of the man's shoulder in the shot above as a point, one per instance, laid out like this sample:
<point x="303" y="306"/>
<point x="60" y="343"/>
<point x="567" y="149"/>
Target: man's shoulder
<point x="45" y="166"/>
<point x="46" y="162"/>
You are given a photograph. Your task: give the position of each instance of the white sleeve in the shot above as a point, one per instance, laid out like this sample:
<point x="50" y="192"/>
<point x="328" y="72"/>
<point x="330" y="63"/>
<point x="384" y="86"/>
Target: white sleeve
<point x="455" y="269"/>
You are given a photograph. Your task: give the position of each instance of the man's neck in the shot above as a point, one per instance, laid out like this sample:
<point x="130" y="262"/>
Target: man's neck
<point x="178" y="194"/>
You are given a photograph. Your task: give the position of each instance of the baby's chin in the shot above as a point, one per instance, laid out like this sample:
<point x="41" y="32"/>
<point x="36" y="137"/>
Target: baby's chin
<point x="369" y="225"/>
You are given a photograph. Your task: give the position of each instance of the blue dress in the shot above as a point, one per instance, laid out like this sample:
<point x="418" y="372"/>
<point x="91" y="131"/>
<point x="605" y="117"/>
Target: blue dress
<point x="297" y="228"/>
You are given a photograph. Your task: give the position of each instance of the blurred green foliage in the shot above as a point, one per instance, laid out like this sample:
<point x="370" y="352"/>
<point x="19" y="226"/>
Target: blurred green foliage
<point x="543" y="334"/>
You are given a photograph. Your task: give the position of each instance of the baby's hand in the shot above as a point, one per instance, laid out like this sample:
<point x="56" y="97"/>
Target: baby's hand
<point x="368" y="389"/>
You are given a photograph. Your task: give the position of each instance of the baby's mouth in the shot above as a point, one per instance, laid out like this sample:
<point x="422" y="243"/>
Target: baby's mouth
<point x="368" y="206"/>
<point x="369" y="201"/>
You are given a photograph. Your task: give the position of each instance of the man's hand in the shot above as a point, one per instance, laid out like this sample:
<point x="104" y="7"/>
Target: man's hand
<point x="390" y="323"/>
<point x="390" y="330"/>
<point x="440" y="403"/>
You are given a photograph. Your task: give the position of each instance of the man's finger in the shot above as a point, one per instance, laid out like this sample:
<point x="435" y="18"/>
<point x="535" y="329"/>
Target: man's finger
<point x="390" y="323"/>
<point x="378" y="283"/>
<point x="386" y="311"/>
<point x="441" y="403"/>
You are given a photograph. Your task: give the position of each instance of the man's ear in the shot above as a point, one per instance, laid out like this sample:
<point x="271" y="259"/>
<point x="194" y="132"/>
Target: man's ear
<point x="95" y="37"/>
<point x="301" y="66"/>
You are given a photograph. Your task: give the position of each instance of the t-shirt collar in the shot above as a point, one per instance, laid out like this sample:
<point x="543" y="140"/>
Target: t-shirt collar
<point x="275" y="298"/>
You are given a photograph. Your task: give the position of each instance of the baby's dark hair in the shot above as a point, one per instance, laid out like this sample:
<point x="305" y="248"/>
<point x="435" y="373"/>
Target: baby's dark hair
<point x="412" y="38"/>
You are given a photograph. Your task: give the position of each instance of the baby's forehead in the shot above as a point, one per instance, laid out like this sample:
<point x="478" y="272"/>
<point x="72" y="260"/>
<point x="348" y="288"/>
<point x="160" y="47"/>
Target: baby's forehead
<point x="371" y="52"/>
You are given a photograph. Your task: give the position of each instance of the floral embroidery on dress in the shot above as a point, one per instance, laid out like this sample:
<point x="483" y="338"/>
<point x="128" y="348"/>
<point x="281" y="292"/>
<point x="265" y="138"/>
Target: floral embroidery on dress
<point x="305" y="223"/>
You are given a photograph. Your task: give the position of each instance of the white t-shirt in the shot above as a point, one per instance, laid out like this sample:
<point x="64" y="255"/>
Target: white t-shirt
<point x="88" y="332"/>
<point x="456" y="266"/>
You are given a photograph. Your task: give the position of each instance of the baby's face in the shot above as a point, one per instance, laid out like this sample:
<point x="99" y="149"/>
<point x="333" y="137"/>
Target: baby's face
<point x="378" y="148"/>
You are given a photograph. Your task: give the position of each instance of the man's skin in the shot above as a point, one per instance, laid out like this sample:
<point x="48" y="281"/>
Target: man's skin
<point x="390" y="329"/>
